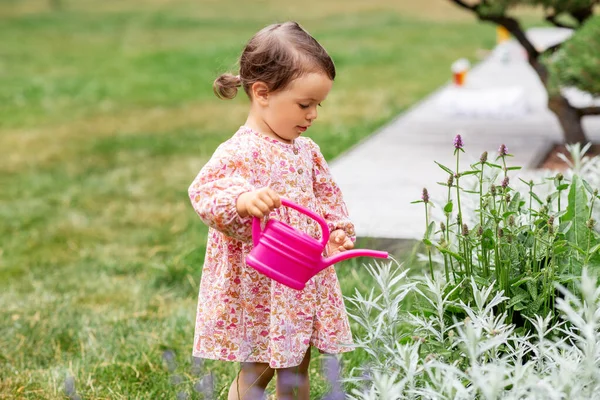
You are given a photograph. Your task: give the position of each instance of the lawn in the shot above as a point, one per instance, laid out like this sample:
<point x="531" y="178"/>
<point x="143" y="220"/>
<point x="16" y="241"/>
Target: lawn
<point x="106" y="115"/>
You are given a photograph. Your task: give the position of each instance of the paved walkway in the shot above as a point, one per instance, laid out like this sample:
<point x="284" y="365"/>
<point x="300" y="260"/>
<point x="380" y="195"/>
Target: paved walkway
<point x="384" y="173"/>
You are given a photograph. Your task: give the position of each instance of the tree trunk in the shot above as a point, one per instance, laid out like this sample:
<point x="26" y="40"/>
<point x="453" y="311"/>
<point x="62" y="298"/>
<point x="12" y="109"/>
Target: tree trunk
<point x="568" y="116"/>
<point x="569" y="119"/>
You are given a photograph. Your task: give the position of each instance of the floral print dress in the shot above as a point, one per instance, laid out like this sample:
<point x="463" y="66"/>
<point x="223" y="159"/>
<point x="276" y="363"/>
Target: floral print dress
<point x="243" y="315"/>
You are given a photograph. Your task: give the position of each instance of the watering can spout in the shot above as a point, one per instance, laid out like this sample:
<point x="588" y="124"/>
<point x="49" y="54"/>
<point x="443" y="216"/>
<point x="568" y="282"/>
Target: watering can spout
<point x="344" y="255"/>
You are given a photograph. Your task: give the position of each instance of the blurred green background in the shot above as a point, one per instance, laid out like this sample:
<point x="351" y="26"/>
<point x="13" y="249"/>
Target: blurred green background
<point x="106" y="115"/>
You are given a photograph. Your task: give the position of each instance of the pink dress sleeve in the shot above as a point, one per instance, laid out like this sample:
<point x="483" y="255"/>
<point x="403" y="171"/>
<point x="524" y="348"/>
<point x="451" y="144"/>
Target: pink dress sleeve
<point x="215" y="190"/>
<point x="329" y="195"/>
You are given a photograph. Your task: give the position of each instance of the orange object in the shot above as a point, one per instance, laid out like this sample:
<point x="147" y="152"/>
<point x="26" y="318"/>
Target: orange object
<point x="502" y="34"/>
<point x="459" y="78"/>
<point x="459" y="71"/>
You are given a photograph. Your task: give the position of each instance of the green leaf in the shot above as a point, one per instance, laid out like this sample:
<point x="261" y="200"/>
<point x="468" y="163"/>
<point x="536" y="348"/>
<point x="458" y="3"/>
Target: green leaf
<point x="472" y="172"/>
<point x="525" y="182"/>
<point x="564" y="227"/>
<point x="534" y="306"/>
<point x="577" y="213"/>
<point x="430" y="230"/>
<point x="448" y="170"/>
<point x="508" y="214"/>
<point x="563" y="186"/>
<point x="587" y="186"/>
<point x="579" y="249"/>
<point x="451" y="253"/>
<point x="416" y="201"/>
<point x="448" y="207"/>
<point x="566" y="278"/>
<point x="523" y="280"/>
<point x="518" y="291"/>
<point x="514" y="202"/>
<point x="493" y="165"/>
<point x="481" y="280"/>
<point x="560" y="247"/>
<point x="519" y="307"/>
<point x="532" y="289"/>
<point x="487" y="239"/>
<point x="513" y="168"/>
<point x="535" y="196"/>
<point x="518" y="298"/>
<point x="595" y="248"/>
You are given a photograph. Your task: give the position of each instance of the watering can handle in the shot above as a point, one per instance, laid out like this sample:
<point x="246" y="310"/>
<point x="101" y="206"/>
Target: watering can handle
<point x="257" y="231"/>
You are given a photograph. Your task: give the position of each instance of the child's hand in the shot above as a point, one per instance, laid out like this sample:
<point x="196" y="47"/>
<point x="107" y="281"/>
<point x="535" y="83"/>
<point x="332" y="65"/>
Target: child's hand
<point x="338" y="242"/>
<point x="258" y="203"/>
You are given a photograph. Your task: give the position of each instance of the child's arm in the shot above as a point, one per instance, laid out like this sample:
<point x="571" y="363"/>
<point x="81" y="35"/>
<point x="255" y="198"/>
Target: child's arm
<point x="216" y="189"/>
<point x="330" y="197"/>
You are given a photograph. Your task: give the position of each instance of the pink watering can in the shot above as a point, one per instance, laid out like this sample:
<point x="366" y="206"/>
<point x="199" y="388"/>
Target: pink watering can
<point x="292" y="257"/>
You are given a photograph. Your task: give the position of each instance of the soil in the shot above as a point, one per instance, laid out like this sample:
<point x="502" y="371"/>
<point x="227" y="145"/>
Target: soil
<point x="553" y="162"/>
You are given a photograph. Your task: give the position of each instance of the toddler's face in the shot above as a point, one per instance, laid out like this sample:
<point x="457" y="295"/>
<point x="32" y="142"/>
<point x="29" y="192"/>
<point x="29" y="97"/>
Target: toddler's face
<point x="291" y="111"/>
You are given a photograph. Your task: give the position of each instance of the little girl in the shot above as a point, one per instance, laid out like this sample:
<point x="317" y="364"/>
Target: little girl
<point x="243" y="315"/>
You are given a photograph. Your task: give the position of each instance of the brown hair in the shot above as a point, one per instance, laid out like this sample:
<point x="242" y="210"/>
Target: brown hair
<point x="276" y="55"/>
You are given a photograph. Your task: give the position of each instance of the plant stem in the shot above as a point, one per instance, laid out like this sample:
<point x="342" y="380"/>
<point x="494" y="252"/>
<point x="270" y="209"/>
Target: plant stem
<point x="590" y="233"/>
<point x="446" y="268"/>
<point x="428" y="246"/>
<point x="448" y="234"/>
<point x="459" y="215"/>
<point x="483" y="253"/>
<point x="531" y="205"/>
<point x="535" y="266"/>
<point x="497" y="266"/>
<point x="458" y="191"/>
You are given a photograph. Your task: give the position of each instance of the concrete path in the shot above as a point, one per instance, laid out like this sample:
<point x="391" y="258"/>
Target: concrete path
<point x="384" y="173"/>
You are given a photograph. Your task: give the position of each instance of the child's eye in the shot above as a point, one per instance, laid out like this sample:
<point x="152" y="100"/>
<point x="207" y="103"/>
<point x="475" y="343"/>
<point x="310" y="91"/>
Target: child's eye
<point x="303" y="106"/>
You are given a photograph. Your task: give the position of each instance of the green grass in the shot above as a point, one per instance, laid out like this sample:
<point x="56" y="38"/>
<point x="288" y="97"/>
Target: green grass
<point x="106" y="115"/>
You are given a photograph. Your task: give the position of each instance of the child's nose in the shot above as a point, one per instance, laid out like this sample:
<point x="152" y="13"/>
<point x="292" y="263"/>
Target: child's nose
<point x="312" y="115"/>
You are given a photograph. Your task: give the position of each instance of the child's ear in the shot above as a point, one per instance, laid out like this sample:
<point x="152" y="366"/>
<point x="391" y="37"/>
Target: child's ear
<point x="260" y="93"/>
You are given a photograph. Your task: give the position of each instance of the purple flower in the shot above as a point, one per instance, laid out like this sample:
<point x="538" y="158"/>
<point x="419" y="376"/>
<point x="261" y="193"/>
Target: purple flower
<point x="505" y="182"/>
<point x="332" y="368"/>
<point x="205" y="385"/>
<point x="458" y="143"/>
<point x="288" y="380"/>
<point x="197" y="365"/>
<point x="483" y="158"/>
<point x="169" y="358"/>
<point x="425" y="196"/>
<point x="503" y="150"/>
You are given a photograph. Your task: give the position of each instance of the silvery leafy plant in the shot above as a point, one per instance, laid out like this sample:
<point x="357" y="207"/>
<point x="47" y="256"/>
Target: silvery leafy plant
<point x="416" y="354"/>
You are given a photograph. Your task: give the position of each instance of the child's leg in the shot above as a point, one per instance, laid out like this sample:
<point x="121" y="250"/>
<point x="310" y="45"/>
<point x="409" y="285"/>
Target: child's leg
<point x="251" y="381"/>
<point x="294" y="383"/>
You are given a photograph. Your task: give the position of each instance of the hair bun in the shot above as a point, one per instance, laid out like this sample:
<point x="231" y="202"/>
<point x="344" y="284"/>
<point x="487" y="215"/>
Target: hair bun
<point x="226" y="86"/>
